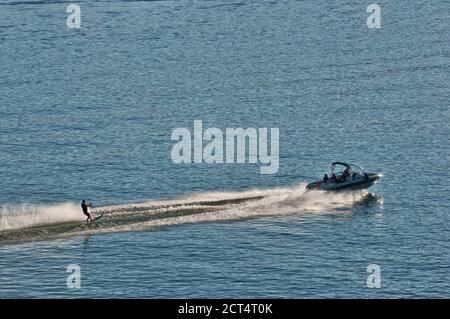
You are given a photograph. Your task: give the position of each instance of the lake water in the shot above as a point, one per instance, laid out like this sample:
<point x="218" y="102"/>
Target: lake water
<point x="88" y="114"/>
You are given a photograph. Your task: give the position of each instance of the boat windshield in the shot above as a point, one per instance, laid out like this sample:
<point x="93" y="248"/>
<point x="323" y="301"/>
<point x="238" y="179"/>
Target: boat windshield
<point x="339" y="168"/>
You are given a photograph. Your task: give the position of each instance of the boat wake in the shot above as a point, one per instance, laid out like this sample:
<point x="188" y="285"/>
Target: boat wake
<point x="41" y="222"/>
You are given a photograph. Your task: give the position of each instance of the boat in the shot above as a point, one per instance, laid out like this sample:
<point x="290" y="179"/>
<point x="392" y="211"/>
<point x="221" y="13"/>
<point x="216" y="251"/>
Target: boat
<point x="345" y="176"/>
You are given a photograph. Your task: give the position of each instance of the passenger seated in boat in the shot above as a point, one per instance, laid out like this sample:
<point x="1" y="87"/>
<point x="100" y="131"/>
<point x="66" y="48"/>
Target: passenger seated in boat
<point x="325" y="178"/>
<point x="346" y="174"/>
<point x="333" y="178"/>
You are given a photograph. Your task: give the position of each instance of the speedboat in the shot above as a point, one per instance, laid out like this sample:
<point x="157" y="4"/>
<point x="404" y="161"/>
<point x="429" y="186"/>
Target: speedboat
<point x="345" y="176"/>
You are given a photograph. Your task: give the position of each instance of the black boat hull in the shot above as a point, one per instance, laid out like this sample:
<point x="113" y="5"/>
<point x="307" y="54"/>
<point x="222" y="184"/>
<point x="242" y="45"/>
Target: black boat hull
<point x="362" y="182"/>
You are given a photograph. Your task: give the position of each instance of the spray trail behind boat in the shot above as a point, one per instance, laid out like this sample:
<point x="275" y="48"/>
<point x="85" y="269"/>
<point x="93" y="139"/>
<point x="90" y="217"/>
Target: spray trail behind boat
<point x="67" y="220"/>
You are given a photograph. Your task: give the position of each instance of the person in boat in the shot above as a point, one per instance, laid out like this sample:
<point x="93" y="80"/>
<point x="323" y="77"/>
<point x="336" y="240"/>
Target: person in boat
<point x="325" y="178"/>
<point x="333" y="178"/>
<point x="346" y="174"/>
<point x="85" y="208"/>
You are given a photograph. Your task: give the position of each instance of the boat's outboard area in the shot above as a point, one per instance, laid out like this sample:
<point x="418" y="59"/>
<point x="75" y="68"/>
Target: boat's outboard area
<point x="351" y="177"/>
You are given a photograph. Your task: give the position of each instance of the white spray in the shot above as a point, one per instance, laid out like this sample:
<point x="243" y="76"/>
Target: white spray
<point x="29" y="215"/>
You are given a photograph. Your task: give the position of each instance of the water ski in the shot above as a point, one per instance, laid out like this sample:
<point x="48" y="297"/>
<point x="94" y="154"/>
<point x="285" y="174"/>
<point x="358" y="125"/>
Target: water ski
<point x="98" y="217"/>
